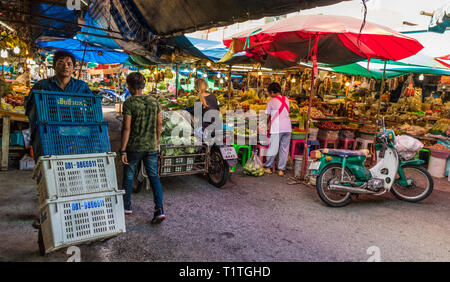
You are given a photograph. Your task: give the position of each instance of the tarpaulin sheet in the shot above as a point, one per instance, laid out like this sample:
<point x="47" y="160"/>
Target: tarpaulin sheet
<point x="181" y="16"/>
<point x="85" y="52"/>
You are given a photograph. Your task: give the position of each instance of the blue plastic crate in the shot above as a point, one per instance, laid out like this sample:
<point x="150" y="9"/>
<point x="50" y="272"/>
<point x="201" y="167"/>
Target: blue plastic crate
<point x="50" y="106"/>
<point x="75" y="139"/>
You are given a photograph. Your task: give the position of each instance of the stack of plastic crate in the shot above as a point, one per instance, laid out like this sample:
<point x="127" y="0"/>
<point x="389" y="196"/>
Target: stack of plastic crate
<point x="79" y="199"/>
<point x="67" y="124"/>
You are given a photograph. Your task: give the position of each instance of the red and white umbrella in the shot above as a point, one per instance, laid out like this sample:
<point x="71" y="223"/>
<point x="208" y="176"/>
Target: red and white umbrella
<point x="336" y="40"/>
<point x="333" y="40"/>
<point x="445" y="60"/>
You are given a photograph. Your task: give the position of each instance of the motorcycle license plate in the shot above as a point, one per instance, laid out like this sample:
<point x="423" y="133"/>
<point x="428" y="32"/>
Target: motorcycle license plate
<point x="314" y="166"/>
<point x="228" y="153"/>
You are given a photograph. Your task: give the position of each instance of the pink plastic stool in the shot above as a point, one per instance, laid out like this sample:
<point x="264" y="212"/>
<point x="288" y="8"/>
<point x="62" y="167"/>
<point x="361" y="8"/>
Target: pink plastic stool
<point x="294" y="144"/>
<point x="346" y="143"/>
<point x="326" y="142"/>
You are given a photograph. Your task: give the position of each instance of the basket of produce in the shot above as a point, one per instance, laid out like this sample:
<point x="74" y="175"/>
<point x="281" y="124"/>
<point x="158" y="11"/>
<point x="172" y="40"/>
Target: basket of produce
<point x="440" y="151"/>
<point x="298" y="134"/>
<point x="328" y="130"/>
<point x="254" y="166"/>
<point x="368" y="131"/>
<point x="313" y="132"/>
<point x="348" y="131"/>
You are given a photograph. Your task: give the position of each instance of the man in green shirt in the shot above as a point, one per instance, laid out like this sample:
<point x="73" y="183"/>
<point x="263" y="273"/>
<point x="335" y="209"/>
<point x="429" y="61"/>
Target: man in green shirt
<point x="142" y="125"/>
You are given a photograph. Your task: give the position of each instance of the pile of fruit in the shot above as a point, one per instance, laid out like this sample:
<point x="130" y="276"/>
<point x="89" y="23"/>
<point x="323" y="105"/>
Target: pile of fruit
<point x="441" y="126"/>
<point x="243" y="131"/>
<point x="328" y="125"/>
<point x="350" y="126"/>
<point x="369" y="128"/>
<point x="315" y="113"/>
<point x="439" y="147"/>
<point x="15" y="100"/>
<point x="13" y="103"/>
<point x="253" y="167"/>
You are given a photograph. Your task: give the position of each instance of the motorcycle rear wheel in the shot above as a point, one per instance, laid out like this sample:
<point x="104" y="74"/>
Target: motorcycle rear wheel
<point x="421" y="180"/>
<point x="219" y="171"/>
<point x="332" y="198"/>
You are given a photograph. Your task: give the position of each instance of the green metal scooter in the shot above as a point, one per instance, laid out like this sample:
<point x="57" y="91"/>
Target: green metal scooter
<point x="341" y="174"/>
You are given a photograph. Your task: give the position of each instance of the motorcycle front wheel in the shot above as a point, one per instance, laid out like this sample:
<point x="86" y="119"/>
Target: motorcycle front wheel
<point x="420" y="185"/>
<point x="329" y="175"/>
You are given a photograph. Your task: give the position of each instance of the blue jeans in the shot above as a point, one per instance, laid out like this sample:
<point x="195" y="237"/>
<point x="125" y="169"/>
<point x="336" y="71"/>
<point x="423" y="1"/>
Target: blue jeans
<point x="151" y="166"/>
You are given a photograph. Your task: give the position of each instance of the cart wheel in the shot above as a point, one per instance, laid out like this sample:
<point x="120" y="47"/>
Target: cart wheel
<point x="41" y="243"/>
<point x="219" y="170"/>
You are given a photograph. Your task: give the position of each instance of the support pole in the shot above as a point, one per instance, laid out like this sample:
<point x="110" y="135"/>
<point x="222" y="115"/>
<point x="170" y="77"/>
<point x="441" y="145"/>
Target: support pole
<point x="308" y="117"/>
<point x="5" y="142"/>
<point x="82" y="61"/>
<point x="229" y="85"/>
<point x="378" y="112"/>
<point x="177" y="70"/>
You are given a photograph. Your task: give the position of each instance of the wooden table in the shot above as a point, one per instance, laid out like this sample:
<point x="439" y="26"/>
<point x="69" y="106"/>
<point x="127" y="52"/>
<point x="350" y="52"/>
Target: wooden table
<point x="7" y="118"/>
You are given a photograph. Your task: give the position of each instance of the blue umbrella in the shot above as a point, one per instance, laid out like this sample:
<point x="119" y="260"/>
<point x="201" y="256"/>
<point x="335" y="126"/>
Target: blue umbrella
<point x="85" y="52"/>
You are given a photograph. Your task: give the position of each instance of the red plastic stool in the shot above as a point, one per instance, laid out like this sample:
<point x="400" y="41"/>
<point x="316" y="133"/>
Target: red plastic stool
<point x="294" y="144"/>
<point x="346" y="142"/>
<point x="326" y="142"/>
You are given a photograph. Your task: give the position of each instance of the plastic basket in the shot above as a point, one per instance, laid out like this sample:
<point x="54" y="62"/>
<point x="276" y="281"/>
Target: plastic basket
<point x="440" y="154"/>
<point x="65" y="176"/>
<point x="80" y="219"/>
<point x="328" y="134"/>
<point x="313" y="132"/>
<point x="190" y="163"/>
<point x="62" y="139"/>
<point x="53" y="106"/>
<point x="366" y="135"/>
<point x="348" y="134"/>
<point x="15" y="139"/>
<point x="298" y="135"/>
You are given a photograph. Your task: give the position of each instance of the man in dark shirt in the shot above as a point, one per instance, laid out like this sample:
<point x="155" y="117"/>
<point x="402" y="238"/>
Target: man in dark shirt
<point x="63" y="64"/>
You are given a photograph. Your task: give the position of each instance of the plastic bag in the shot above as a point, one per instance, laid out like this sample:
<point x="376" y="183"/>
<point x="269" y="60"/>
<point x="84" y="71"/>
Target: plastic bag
<point x="254" y="166"/>
<point x="407" y="146"/>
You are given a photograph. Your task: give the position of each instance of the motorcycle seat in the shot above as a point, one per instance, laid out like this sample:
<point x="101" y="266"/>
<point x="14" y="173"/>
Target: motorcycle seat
<point x="345" y="153"/>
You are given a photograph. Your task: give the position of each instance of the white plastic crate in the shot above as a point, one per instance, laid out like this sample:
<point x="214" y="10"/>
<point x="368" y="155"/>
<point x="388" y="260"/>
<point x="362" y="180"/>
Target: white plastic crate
<point x="80" y="219"/>
<point x="72" y="175"/>
<point x="190" y="161"/>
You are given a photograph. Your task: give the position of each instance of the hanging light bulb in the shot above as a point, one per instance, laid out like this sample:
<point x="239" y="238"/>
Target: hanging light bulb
<point x="221" y="81"/>
<point x="16" y="50"/>
<point x="4" y="53"/>
<point x="260" y="73"/>
<point x="205" y="75"/>
<point x="293" y="80"/>
<point x="208" y="64"/>
<point x="218" y="75"/>
<point x="347" y="84"/>
<point x="421" y="77"/>
<point x="226" y="77"/>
